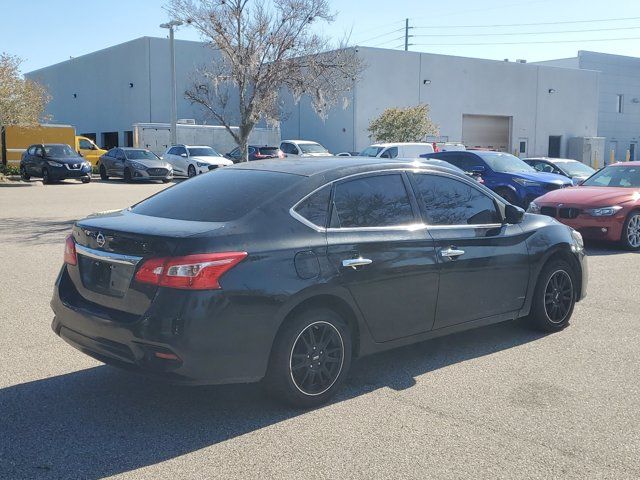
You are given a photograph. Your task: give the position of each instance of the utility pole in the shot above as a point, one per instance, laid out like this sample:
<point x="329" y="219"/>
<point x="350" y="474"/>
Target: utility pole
<point x="172" y="53"/>
<point x="406" y="34"/>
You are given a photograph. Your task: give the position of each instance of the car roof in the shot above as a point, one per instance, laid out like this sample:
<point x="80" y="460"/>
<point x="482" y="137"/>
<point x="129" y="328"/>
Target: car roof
<point x="300" y="141"/>
<point x="399" y="144"/>
<point x="335" y="167"/>
<point x="50" y="145"/>
<point x="131" y="148"/>
<point x="622" y="164"/>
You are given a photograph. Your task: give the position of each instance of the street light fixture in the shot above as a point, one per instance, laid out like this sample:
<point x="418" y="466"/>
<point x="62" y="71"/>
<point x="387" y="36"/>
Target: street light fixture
<point x="174" y="118"/>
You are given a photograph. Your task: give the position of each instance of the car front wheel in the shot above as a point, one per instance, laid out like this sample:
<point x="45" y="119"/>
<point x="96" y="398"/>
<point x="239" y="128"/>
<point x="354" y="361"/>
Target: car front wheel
<point x="554" y="297"/>
<point x="103" y="173"/>
<point x="191" y="171"/>
<point x="23" y="174"/>
<point x="310" y="359"/>
<point x="631" y="231"/>
<point x="46" y="176"/>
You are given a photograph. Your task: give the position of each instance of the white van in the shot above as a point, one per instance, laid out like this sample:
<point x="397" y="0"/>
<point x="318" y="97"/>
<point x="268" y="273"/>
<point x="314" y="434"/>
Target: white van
<point x="397" y="150"/>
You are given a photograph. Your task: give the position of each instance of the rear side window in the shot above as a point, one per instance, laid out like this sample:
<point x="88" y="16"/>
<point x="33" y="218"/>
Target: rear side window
<point x="268" y="150"/>
<point x="447" y="201"/>
<point x="219" y="196"/>
<point x="376" y="201"/>
<point x="464" y="162"/>
<point x="315" y="207"/>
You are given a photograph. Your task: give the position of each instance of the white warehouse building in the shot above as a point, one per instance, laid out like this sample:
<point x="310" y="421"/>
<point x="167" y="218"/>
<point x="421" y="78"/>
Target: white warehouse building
<point x="511" y="106"/>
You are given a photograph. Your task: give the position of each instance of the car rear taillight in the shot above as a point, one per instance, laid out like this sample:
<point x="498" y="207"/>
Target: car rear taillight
<point x="281" y="154"/>
<point x="191" y="272"/>
<point x="259" y="156"/>
<point x="70" y="257"/>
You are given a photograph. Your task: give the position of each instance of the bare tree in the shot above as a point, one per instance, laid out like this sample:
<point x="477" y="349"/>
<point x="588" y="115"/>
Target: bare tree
<point x="21" y="101"/>
<point x="260" y="50"/>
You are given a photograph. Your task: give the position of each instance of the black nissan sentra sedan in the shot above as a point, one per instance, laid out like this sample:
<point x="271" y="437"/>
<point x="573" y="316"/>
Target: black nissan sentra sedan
<point x="287" y="270"/>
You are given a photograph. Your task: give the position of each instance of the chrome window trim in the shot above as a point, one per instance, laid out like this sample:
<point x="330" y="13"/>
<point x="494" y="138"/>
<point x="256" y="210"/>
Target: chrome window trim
<point x="411" y="227"/>
<point x="108" y="256"/>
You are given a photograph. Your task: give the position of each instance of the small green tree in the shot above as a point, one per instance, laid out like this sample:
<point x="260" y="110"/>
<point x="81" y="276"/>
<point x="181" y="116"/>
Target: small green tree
<point x="409" y="124"/>
<point x="21" y="101"/>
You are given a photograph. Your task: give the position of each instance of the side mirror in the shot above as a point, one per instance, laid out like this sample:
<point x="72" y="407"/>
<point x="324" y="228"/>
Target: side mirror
<point x="513" y="214"/>
<point x="477" y="169"/>
<point x="183" y="155"/>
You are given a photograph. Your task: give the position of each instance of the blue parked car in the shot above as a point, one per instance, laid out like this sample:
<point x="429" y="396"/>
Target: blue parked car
<point x="508" y="176"/>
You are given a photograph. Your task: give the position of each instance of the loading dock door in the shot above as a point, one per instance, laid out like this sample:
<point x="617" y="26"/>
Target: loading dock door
<point x="489" y="132"/>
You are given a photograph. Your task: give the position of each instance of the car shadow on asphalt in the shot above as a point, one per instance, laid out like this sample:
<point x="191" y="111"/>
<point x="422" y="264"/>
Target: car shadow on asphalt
<point x="102" y="421"/>
<point x="601" y="249"/>
<point x="34" y="231"/>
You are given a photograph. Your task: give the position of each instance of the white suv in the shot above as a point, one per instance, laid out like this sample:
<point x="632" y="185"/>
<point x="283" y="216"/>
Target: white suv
<point x="397" y="150"/>
<point x="190" y="160"/>
<point x="303" y="148"/>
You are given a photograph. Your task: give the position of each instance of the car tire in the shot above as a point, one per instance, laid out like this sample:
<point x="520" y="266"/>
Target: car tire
<point x="554" y="297"/>
<point x="103" y="173"/>
<point x="127" y="175"/>
<point x="631" y="231"/>
<point x="46" y="177"/>
<point x="23" y="174"/>
<point x="191" y="171"/>
<point x="317" y="338"/>
<point x="86" y="179"/>
<point x="166" y="180"/>
<point x="509" y="196"/>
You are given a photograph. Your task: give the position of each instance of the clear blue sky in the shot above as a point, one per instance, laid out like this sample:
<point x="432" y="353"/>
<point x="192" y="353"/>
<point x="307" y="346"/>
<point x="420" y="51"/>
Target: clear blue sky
<point x="44" y="32"/>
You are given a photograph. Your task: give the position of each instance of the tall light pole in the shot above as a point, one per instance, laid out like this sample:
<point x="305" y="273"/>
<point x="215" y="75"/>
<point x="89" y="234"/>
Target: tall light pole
<point x="174" y="115"/>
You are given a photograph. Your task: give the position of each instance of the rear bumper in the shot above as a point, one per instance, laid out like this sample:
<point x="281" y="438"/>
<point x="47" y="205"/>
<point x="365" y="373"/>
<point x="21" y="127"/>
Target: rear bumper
<point x="211" y="346"/>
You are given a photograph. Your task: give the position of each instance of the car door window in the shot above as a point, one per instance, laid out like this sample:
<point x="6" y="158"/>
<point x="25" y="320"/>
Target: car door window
<point x="171" y="151"/>
<point x="391" y="152"/>
<point x="40" y="151"/>
<point x="288" y="148"/>
<point x="31" y="150"/>
<point x="181" y="150"/>
<point x="447" y="201"/>
<point x="464" y="162"/>
<point x="315" y="207"/>
<point x="85" y="144"/>
<point x="371" y="201"/>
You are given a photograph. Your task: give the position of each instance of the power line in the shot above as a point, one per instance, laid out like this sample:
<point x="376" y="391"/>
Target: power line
<point x="520" y="33"/>
<point x="525" y="43"/>
<point x="387" y="41"/>
<point x="381" y="35"/>
<point x="529" y="24"/>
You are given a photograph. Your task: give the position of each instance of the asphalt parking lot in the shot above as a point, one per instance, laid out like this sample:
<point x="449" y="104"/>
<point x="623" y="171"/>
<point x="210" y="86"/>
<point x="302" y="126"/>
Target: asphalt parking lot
<point x="498" y="402"/>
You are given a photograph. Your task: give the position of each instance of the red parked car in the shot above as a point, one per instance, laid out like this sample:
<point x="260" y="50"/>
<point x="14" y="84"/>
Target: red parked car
<point x="606" y="206"/>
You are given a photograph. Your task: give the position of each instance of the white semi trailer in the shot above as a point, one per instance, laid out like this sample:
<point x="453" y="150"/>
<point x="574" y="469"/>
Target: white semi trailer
<point x="156" y="136"/>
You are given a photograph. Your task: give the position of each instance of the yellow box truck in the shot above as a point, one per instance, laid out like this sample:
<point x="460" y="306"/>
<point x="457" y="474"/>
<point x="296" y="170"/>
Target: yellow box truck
<point x="15" y="139"/>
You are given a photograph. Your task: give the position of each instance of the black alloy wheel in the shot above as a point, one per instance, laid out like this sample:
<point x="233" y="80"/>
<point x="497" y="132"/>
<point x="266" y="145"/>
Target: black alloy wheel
<point x="103" y="173"/>
<point x="127" y="175"/>
<point x="554" y="297"/>
<point x="23" y="174"/>
<point x="558" y="296"/>
<point x="46" y="177"/>
<point x="191" y="171"/>
<point x="316" y="358"/>
<point x="310" y="358"/>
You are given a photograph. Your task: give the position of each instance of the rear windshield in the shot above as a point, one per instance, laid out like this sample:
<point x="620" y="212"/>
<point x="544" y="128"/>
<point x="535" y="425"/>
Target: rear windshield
<point x="268" y="150"/>
<point x="312" y="148"/>
<point x="219" y="196"/>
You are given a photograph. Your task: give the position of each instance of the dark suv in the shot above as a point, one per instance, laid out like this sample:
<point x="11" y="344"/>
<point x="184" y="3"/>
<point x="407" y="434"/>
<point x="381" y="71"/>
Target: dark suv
<point x="53" y="162"/>
<point x="289" y="269"/>
<point x="255" y="153"/>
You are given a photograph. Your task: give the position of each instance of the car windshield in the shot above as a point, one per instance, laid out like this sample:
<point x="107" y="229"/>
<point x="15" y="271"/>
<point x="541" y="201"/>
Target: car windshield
<point x="202" y="152"/>
<point x="312" y="148"/>
<point x="371" y="152"/>
<point x="576" y="168"/>
<point x="59" y="151"/>
<point x="627" y="176"/>
<point x="140" y="155"/>
<point x="505" y="163"/>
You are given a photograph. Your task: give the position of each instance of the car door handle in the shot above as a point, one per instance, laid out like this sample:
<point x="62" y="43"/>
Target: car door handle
<point x="451" y="253"/>
<point x="356" y="262"/>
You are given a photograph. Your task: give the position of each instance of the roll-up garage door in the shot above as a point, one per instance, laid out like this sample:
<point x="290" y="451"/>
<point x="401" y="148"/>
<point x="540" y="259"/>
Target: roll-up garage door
<point x="489" y="132"/>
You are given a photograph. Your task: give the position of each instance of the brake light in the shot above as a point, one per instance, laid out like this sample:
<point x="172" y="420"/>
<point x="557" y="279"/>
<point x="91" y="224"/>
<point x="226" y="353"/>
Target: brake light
<point x="281" y="154"/>
<point x="192" y="272"/>
<point x="70" y="257"/>
<point x="259" y="155"/>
